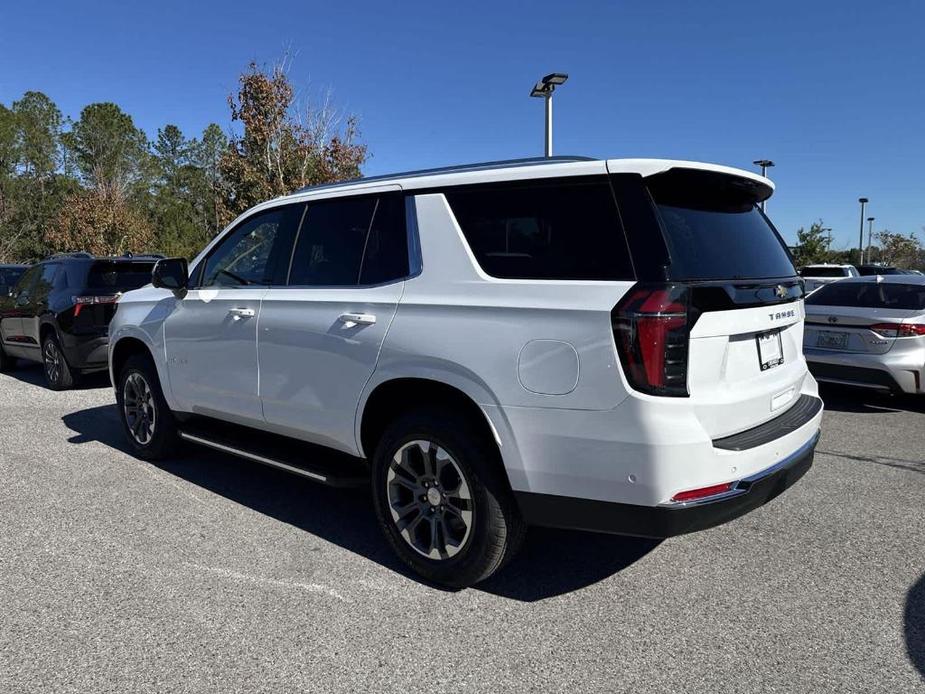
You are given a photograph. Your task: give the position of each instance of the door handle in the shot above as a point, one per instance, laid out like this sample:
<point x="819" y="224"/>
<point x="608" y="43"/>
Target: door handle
<point x="239" y="313"/>
<point x="352" y="319"/>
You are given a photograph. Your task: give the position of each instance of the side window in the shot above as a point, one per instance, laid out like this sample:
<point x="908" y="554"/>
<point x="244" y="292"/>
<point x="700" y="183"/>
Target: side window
<point x="46" y="281"/>
<point x="256" y="252"/>
<point x="25" y="283"/>
<point x="567" y="229"/>
<point x="349" y="241"/>
<point x="386" y="256"/>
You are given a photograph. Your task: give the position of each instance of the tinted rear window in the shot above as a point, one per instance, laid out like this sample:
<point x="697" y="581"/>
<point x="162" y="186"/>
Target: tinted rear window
<point x="904" y="297"/>
<point x="823" y="272"/>
<point x="868" y="270"/>
<point x="714" y="230"/>
<point x="119" y="276"/>
<point x="563" y="229"/>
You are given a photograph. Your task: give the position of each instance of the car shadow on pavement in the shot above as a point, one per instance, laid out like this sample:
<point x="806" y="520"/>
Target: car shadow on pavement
<point x="914" y="625"/>
<point x="865" y="401"/>
<point x="33" y="374"/>
<point x="551" y="563"/>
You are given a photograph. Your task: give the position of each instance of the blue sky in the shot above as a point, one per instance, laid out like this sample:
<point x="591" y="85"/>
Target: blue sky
<point x="832" y="91"/>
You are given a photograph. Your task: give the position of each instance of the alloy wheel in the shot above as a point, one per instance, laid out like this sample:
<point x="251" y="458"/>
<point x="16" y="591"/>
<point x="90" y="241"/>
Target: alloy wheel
<point x="429" y="499"/>
<point x="139" y="408"/>
<point x="52" y="359"/>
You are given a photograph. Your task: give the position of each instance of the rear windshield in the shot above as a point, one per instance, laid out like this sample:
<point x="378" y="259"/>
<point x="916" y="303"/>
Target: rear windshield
<point x="119" y="276"/>
<point x="904" y="297"/>
<point x="823" y="272"/>
<point x="868" y="270"/>
<point x="714" y="229"/>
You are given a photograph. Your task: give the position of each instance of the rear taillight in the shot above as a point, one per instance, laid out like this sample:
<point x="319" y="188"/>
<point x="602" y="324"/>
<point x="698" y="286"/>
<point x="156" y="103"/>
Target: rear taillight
<point x="81" y="301"/>
<point x="898" y="329"/>
<point x="651" y="329"/>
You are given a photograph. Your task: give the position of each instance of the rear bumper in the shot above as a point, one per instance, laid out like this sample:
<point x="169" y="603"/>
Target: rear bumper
<point x="86" y="352"/>
<point x="897" y="372"/>
<point x="664" y="520"/>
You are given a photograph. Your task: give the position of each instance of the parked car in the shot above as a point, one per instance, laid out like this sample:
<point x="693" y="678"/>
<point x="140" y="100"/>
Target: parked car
<point x="58" y="313"/>
<point x="869" y="332"/>
<point x="556" y="342"/>
<point x="815" y="276"/>
<point x="873" y="270"/>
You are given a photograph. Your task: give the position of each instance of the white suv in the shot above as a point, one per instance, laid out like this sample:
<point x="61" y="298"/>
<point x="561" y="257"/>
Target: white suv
<point x="815" y="276"/>
<point x="605" y="345"/>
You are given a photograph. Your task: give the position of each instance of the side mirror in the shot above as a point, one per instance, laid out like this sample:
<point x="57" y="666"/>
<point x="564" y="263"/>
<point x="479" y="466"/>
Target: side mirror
<point x="170" y="273"/>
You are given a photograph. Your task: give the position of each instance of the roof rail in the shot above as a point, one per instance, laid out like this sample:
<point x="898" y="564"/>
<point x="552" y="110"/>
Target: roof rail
<point x="75" y="254"/>
<point x="459" y="168"/>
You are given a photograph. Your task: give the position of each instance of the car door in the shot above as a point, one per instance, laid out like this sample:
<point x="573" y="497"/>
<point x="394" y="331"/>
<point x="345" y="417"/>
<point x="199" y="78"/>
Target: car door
<point x="211" y="334"/>
<point x="37" y="304"/>
<point x="320" y="335"/>
<point x="11" y="317"/>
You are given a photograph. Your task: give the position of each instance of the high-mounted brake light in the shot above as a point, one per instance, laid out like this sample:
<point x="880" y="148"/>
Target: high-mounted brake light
<point x="81" y="301"/>
<point x="651" y="329"/>
<point x="898" y="329"/>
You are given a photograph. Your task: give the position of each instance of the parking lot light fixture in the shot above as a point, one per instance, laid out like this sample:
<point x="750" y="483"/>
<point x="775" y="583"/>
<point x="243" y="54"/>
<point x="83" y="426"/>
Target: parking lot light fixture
<point x="544" y="88"/>
<point x="863" y="202"/>
<point x="765" y="164"/>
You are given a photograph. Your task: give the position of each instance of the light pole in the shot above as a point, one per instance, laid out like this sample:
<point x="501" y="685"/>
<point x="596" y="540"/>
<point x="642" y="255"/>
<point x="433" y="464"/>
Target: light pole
<point x="863" y="202"/>
<point x="765" y="164"/>
<point x="870" y="227"/>
<point x="828" y="229"/>
<point x="544" y="88"/>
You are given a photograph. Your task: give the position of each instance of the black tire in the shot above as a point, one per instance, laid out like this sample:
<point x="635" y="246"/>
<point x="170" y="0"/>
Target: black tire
<point x="163" y="440"/>
<point x="7" y="363"/>
<point x="496" y="529"/>
<point x="58" y="373"/>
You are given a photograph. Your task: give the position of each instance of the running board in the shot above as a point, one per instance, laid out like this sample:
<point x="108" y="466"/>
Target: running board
<point x="315" y="463"/>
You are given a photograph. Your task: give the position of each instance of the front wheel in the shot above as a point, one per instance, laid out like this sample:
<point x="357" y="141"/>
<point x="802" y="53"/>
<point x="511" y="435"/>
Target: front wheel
<point x="148" y="422"/>
<point x="442" y="500"/>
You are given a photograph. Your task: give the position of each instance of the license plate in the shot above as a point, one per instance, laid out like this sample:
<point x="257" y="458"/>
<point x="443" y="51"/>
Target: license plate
<point x="770" y="350"/>
<point x="831" y="340"/>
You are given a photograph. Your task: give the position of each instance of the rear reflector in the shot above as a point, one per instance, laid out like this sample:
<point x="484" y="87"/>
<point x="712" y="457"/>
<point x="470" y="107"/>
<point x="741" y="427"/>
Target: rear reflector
<point x="81" y="301"/>
<point x="702" y="493"/>
<point x="898" y="329"/>
<point x="650" y="326"/>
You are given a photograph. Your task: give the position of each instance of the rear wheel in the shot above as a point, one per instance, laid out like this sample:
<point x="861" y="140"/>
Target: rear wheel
<point x="58" y="373"/>
<point x="6" y="361"/>
<point x="442" y="500"/>
<point x="147" y="420"/>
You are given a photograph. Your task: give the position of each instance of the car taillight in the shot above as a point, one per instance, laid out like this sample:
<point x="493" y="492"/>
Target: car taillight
<point x="81" y="301"/>
<point x="651" y="329"/>
<point x="898" y="329"/>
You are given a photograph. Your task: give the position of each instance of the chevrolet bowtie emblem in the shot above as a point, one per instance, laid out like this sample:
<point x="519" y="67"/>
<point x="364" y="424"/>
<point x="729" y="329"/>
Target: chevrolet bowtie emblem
<point x="781" y="291"/>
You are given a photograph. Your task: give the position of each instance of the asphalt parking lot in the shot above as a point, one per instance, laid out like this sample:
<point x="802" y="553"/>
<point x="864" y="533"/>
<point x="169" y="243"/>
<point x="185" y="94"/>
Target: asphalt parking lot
<point x="209" y="574"/>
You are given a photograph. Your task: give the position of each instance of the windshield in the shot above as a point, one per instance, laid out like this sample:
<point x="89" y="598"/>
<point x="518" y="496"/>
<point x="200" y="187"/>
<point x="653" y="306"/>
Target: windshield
<point x="904" y="297"/>
<point x="119" y="276"/>
<point x="815" y="271"/>
<point x="714" y="230"/>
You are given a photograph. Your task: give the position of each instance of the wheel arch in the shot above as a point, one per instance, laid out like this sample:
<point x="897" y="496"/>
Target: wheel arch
<point x="391" y="397"/>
